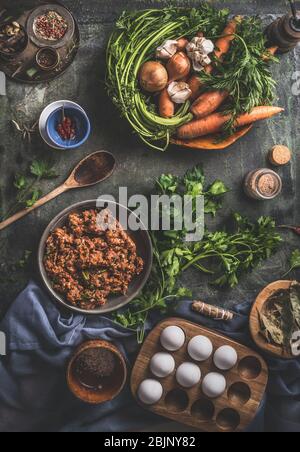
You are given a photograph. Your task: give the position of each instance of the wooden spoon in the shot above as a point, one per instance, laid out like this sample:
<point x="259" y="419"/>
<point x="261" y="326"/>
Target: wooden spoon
<point x="90" y="171"/>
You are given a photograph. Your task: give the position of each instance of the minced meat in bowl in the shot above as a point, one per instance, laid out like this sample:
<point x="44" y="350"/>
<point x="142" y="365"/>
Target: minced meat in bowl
<point x="88" y="265"/>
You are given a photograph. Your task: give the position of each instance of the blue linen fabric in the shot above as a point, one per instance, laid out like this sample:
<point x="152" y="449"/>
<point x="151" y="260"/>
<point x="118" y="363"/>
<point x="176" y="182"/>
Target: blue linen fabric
<point x="34" y="396"/>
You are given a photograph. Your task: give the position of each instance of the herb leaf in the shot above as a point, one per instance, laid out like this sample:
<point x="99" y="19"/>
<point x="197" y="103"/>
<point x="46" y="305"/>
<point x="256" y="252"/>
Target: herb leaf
<point x="42" y="169"/>
<point x="294" y="261"/>
<point x="20" y="182"/>
<point x="35" y="196"/>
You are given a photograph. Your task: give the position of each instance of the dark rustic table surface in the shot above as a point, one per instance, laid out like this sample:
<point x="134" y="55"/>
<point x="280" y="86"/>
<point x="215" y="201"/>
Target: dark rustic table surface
<point x="137" y="165"/>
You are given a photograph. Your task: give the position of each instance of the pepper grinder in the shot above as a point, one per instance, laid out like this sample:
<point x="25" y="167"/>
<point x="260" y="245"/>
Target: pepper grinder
<point x="284" y="32"/>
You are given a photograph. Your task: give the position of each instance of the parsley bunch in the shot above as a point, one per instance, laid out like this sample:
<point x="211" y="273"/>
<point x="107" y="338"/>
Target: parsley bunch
<point x="225" y="255"/>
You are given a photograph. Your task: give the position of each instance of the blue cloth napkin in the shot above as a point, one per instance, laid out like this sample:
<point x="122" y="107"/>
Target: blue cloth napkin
<point x="40" y="340"/>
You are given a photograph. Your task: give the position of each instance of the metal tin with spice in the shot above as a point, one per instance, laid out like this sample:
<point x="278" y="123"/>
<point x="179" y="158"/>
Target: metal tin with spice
<point x="263" y="184"/>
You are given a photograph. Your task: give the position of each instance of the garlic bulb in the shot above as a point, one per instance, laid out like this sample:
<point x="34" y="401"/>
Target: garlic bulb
<point x="198" y="50"/>
<point x="167" y="50"/>
<point x="179" y="92"/>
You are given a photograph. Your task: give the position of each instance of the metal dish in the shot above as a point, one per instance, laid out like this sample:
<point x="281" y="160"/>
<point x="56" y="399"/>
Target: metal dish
<point x="144" y="248"/>
<point x="39" y="11"/>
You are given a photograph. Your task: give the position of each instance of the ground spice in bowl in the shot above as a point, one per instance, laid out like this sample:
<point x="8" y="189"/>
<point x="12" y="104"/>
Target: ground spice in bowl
<point x="97" y="372"/>
<point x="94" y="367"/>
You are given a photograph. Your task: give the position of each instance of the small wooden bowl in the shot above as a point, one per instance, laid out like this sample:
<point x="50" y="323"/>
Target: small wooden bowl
<point x="91" y="396"/>
<point x="255" y="327"/>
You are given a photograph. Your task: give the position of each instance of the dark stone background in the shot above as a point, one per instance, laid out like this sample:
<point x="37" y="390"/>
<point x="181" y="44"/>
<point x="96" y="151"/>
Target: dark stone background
<point x="137" y="165"/>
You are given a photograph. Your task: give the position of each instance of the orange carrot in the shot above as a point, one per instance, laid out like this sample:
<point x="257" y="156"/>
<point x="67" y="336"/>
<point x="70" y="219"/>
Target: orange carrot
<point x="270" y="51"/>
<point x="208" y="102"/>
<point x="214" y="123"/>
<point x="222" y="47"/>
<point x="223" y="43"/>
<point x="166" y="106"/>
<point x="195" y="85"/>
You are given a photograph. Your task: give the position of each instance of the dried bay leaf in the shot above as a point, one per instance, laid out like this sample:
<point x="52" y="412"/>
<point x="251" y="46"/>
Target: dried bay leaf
<point x="272" y="330"/>
<point x="288" y="323"/>
<point x="295" y="302"/>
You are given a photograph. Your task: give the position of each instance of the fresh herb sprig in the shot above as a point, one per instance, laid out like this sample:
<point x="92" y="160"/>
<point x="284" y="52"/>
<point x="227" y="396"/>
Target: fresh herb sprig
<point x="27" y="186"/>
<point x="294" y="261"/>
<point x="226" y="256"/>
<point x="134" y="41"/>
<point x="245" y="71"/>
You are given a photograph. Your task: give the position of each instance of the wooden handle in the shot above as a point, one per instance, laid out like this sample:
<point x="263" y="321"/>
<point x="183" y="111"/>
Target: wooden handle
<point x="58" y="191"/>
<point x="212" y="311"/>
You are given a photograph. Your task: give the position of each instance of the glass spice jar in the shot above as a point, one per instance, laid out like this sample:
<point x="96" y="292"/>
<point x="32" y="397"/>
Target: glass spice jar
<point x="263" y="184"/>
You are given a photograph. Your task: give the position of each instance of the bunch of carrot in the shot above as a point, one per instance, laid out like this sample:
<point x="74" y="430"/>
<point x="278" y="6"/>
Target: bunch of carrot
<point x="205" y="105"/>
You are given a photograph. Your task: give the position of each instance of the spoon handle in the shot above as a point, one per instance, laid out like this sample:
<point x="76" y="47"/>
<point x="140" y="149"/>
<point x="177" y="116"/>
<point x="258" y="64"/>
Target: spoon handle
<point x="17" y="216"/>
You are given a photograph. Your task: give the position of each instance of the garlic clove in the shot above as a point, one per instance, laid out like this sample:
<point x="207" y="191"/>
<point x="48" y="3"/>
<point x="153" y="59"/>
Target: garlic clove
<point x="198" y="50"/>
<point x="208" y="46"/>
<point x="197" y="66"/>
<point x="179" y="92"/>
<point x="167" y="50"/>
<point x="205" y="60"/>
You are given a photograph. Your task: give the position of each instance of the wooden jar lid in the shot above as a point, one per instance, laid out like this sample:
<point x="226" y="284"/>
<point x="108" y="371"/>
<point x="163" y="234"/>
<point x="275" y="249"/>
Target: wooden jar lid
<point x="280" y="155"/>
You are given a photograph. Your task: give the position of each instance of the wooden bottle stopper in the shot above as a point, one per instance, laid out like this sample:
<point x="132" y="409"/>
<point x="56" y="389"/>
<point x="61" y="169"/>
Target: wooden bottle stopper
<point x="212" y="312"/>
<point x="280" y="155"/>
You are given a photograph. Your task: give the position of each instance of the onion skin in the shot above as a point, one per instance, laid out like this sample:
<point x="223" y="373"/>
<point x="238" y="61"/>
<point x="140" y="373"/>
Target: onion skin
<point x="182" y="43"/>
<point x="153" y="77"/>
<point x="178" y="67"/>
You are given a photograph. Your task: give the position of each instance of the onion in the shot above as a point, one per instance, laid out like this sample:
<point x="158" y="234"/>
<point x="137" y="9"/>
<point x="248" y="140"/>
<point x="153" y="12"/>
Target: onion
<point x="182" y="43"/>
<point x="153" y="77"/>
<point x="178" y="67"/>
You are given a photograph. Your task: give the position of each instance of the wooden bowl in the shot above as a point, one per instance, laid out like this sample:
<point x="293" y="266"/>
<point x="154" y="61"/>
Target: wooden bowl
<point x="92" y="396"/>
<point x="255" y="327"/>
<point x="212" y="142"/>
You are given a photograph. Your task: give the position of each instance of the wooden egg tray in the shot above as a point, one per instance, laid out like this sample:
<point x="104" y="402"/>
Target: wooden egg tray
<point x="233" y="411"/>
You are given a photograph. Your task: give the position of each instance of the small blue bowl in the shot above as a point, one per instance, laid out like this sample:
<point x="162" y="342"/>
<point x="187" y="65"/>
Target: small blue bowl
<point x="82" y="125"/>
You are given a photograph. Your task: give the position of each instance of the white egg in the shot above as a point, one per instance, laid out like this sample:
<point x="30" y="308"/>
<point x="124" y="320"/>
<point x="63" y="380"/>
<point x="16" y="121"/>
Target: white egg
<point x="225" y="358"/>
<point x="162" y="365"/>
<point x="150" y="392"/>
<point x="214" y="385"/>
<point x="188" y="375"/>
<point x="172" y="338"/>
<point x="200" y="348"/>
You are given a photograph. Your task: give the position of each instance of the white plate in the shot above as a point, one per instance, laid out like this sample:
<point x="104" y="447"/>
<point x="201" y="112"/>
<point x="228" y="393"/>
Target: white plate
<point x="45" y="115"/>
